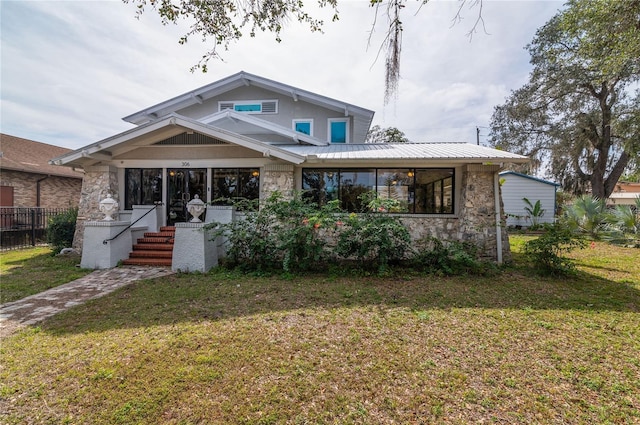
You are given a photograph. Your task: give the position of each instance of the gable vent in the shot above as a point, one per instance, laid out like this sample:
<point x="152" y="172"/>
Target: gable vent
<point x="270" y="107"/>
<point x="190" y="139"/>
<point x="226" y="105"/>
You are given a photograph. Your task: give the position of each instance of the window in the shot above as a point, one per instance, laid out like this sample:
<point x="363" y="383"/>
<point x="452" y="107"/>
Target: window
<point x="250" y="106"/>
<point x="418" y="191"/>
<point x="143" y="186"/>
<point x="233" y="184"/>
<point x="338" y="130"/>
<point x="303" y="126"/>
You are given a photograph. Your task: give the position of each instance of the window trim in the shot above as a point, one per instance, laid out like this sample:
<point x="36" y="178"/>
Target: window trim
<point x="249" y="102"/>
<point x="346" y="130"/>
<point x="455" y="192"/>
<point x="303" y="121"/>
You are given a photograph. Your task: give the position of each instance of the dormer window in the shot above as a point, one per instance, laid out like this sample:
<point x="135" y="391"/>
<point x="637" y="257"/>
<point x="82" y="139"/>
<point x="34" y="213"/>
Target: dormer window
<point x="338" y="130"/>
<point x="250" y="106"/>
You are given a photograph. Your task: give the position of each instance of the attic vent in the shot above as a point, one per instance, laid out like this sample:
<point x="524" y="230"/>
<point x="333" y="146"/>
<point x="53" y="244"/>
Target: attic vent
<point x="250" y="106"/>
<point x="190" y="139"/>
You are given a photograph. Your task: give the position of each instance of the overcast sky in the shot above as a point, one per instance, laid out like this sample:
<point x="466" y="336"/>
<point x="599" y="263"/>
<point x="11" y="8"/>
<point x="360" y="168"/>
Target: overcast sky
<point x="72" y="69"/>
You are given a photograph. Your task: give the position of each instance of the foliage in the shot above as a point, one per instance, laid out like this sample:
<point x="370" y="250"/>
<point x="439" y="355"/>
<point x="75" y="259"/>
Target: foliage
<point x="61" y="228"/>
<point x="374" y="237"/>
<point x="546" y="252"/>
<point x="378" y="134"/>
<point x="448" y="257"/>
<point x="586" y="215"/>
<point x="283" y="234"/>
<point x="535" y="212"/>
<point x="578" y="114"/>
<point x="623" y="225"/>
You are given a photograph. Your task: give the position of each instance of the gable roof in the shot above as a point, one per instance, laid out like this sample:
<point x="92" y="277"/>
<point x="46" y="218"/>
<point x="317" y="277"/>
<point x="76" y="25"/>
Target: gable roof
<point x="529" y="177"/>
<point x="29" y="156"/>
<point x="362" y="117"/>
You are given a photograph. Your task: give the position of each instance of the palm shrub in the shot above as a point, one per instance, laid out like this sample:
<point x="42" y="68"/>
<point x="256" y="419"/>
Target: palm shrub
<point x="586" y="215"/>
<point x="61" y="228"/>
<point x="623" y="225"/>
<point x="374" y="237"/>
<point x="546" y="253"/>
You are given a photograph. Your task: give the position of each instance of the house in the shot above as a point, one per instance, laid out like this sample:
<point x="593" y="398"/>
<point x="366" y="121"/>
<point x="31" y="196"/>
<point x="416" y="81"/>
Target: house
<point x="28" y="180"/>
<point x="625" y="193"/>
<point x="246" y="136"/>
<point x="516" y="187"/>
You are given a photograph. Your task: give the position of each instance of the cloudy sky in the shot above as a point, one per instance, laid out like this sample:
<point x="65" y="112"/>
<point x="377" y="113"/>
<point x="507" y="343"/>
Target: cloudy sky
<point x="72" y="69"/>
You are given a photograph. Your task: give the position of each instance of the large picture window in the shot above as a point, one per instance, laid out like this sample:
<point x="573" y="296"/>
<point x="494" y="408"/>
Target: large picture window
<point x="233" y="184"/>
<point x="143" y="186"/>
<point x="417" y="190"/>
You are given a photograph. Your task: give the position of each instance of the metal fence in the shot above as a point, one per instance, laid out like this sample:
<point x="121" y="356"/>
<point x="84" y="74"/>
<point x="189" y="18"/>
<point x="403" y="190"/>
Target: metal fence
<point x="22" y="227"/>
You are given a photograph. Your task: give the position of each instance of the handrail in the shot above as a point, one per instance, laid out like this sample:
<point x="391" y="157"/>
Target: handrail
<point x="104" y="242"/>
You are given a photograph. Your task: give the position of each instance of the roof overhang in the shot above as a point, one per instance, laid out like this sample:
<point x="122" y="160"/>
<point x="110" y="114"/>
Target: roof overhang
<point x="240" y="79"/>
<point x="163" y="128"/>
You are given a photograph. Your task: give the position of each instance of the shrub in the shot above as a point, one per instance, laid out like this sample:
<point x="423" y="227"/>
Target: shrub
<point x="586" y="215"/>
<point x="622" y="225"/>
<point x="448" y="257"/>
<point x="374" y="237"/>
<point x="545" y="252"/>
<point x="60" y="230"/>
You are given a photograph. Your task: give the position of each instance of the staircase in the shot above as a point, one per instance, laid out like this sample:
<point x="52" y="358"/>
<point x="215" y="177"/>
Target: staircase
<point x="154" y="249"/>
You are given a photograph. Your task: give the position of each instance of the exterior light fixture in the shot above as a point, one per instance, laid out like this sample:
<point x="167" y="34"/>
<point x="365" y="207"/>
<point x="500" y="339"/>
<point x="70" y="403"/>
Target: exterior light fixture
<point x="255" y="173"/>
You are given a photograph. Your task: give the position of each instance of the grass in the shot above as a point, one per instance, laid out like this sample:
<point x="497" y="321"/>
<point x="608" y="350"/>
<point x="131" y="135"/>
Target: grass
<point x="25" y="272"/>
<point x="223" y="348"/>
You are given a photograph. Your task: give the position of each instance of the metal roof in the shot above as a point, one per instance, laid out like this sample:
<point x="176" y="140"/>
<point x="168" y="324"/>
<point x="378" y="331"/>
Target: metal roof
<point x="407" y="151"/>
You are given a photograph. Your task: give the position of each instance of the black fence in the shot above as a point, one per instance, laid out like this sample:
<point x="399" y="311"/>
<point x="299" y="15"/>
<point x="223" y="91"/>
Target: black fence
<point x="23" y="227"/>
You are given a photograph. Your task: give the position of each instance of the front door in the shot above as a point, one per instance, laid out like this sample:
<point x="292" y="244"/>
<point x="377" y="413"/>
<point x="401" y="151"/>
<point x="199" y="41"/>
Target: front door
<point x="182" y="185"/>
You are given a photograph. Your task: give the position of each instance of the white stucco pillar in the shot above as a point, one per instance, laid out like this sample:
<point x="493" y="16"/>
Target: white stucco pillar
<point x="224" y="215"/>
<point x="98" y="252"/>
<point x="193" y="249"/>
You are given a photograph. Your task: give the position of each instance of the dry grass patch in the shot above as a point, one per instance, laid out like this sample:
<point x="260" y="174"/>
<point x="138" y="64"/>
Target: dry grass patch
<point x="218" y="349"/>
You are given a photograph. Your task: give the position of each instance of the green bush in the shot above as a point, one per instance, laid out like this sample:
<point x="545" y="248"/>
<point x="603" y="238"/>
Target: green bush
<point x="449" y="258"/>
<point x="60" y="230"/>
<point x="545" y="252"/>
<point x="374" y="237"/>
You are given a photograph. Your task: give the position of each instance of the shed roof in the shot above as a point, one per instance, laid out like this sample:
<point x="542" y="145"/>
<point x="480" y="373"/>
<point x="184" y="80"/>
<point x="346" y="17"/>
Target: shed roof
<point x="526" y="176"/>
<point x="29" y="156"/>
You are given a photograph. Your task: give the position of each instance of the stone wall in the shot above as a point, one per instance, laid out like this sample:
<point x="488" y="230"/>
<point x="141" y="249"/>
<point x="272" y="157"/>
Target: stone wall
<point x="97" y="183"/>
<point x="476" y="219"/>
<point x="277" y="177"/>
<point x="55" y="191"/>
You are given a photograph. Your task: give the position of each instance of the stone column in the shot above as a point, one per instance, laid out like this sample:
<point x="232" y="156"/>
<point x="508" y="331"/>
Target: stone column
<point x="277" y="177"/>
<point x="97" y="183"/>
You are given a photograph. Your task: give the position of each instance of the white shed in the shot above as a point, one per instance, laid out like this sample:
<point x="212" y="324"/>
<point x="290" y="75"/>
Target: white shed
<point x="516" y="187"/>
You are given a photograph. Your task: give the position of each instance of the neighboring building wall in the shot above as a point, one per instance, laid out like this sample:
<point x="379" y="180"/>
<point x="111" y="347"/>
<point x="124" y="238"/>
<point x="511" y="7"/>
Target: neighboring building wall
<point x="516" y="187"/>
<point x="97" y="183"/>
<point x="55" y="191"/>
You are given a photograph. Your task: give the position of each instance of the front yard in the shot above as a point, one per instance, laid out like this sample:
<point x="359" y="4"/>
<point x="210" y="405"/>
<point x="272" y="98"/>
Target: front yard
<point x="225" y="348"/>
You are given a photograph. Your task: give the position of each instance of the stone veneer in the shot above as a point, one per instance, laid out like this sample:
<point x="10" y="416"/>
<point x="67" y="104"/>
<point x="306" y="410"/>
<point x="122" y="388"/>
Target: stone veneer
<point x="277" y="177"/>
<point x="97" y="183"/>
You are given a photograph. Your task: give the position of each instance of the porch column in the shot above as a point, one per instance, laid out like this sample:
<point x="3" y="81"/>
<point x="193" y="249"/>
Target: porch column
<point x="277" y="177"/>
<point x="97" y="182"/>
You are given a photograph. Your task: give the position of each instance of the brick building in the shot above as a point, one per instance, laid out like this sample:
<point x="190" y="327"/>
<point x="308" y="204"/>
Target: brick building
<point x="28" y="180"/>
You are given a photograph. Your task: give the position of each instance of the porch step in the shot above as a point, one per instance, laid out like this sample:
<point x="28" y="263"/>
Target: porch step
<point x="148" y="262"/>
<point x="154" y="249"/>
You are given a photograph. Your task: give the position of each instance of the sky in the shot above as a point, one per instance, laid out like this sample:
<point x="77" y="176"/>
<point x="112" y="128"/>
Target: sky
<point x="70" y="70"/>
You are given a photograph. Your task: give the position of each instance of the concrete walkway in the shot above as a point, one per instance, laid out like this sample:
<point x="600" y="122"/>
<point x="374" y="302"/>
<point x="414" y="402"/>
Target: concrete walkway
<point x="35" y="308"/>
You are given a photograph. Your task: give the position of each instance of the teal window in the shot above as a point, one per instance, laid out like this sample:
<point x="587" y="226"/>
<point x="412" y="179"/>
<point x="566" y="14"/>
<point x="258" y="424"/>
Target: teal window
<point x="338" y="130"/>
<point x="304" y="126"/>
<point x="256" y="107"/>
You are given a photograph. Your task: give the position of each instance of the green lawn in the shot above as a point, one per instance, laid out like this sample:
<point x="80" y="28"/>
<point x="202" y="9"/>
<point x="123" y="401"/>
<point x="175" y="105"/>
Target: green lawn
<point x="25" y="272"/>
<point x="223" y="348"/>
